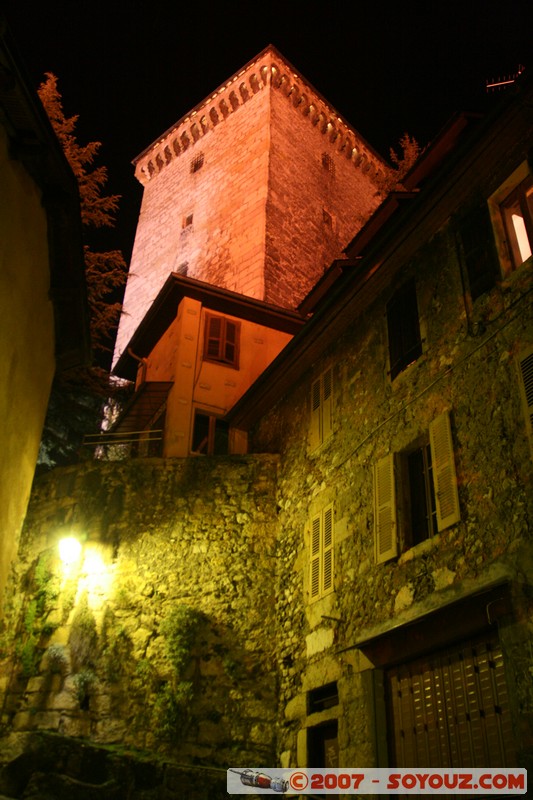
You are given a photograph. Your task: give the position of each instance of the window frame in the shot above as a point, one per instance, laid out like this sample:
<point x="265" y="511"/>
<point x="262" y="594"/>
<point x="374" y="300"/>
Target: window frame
<point x="227" y="350"/>
<point x="516" y="183"/>
<point x="211" y="439"/>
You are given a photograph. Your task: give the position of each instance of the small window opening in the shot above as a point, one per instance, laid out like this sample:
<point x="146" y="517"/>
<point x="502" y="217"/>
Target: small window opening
<point x="210" y="435"/>
<point x="422" y="505"/>
<point x="328" y="163"/>
<point x="324" y="697"/>
<point x="197" y="162"/>
<point x="187" y="221"/>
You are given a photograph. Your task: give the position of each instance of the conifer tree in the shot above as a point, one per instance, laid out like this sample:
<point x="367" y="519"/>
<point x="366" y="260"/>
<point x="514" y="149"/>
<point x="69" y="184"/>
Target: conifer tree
<point x="105" y="271"/>
<point x="78" y="394"/>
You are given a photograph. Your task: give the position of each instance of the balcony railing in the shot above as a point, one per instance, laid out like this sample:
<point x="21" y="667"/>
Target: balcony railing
<point x="117" y="446"/>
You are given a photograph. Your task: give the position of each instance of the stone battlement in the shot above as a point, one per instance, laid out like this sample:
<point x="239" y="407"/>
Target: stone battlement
<point x="268" y="69"/>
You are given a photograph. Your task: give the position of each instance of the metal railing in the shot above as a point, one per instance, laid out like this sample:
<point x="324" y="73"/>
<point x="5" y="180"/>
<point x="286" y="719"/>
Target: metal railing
<point x="117" y="445"/>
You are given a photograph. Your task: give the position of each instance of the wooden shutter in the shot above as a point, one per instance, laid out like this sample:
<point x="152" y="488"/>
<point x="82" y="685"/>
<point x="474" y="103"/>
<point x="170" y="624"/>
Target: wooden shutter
<point x="314" y="426"/>
<point x="230" y="342"/>
<point x="444" y="477"/>
<point x="327" y="555"/>
<point x="314" y="579"/>
<point x="385" y="526"/>
<point x="525" y="364"/>
<point x="320" y="426"/>
<point x="321" y="577"/>
<point x="327" y="403"/>
<point x="213" y="336"/>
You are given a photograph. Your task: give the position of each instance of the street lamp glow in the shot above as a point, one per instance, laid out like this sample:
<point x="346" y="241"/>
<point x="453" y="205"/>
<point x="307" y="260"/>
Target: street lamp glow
<point x="69" y="550"/>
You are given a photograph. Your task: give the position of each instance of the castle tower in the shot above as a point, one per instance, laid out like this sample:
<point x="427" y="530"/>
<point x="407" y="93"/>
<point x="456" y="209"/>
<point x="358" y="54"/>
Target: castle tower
<point x="256" y="190"/>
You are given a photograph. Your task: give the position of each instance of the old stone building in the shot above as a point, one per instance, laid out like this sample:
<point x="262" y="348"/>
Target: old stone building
<point x="401" y="415"/>
<point x="355" y="589"/>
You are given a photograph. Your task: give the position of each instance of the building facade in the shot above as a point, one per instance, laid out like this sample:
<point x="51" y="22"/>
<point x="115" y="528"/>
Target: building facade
<point x="402" y="417"/>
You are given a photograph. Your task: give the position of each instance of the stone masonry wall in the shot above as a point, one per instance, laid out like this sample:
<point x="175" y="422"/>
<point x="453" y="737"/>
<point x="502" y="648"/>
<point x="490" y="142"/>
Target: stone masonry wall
<point x="160" y="637"/>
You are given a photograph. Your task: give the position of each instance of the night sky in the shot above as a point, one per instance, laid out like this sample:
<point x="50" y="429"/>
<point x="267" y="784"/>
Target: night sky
<point x="132" y="69"/>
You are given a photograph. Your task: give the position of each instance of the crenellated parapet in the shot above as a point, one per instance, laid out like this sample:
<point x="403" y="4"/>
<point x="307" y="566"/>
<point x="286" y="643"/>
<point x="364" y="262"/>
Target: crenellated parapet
<point x="269" y="69"/>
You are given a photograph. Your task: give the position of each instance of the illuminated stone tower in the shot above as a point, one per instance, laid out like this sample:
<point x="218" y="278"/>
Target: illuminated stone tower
<point x="256" y="190"/>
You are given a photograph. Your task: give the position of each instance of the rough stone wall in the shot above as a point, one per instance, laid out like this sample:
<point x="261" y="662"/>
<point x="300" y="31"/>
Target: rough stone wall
<point x="470" y="371"/>
<point x="306" y="229"/>
<point x="161" y="636"/>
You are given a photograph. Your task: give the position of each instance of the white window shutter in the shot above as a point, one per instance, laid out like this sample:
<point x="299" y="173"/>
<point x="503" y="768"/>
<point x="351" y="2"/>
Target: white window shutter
<point x="444" y="477"/>
<point x="327" y="404"/>
<point x="385" y="525"/>
<point x="327" y="555"/>
<point x="314" y="576"/>
<point x="314" y="427"/>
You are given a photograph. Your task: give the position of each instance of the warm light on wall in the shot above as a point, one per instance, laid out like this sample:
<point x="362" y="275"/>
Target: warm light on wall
<point x="69" y="550"/>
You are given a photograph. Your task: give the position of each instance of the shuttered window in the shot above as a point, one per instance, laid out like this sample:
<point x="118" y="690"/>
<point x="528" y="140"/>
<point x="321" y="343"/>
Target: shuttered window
<point x="478" y="251"/>
<point x="451" y="709"/>
<point x="221" y="340"/>
<point x="405" y="343"/>
<point x="422" y="482"/>
<point x="321" y="554"/>
<point x="385" y="537"/>
<point x="525" y="364"/>
<point x="321" y="426"/>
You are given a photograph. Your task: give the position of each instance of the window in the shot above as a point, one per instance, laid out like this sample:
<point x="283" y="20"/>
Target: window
<point x="321" y="409"/>
<point x="210" y="435"/>
<point x="405" y="343"/>
<point x="511" y="210"/>
<point x="478" y="252"/>
<point x="221" y="340"/>
<point x="415" y="493"/>
<point x="322" y="698"/>
<point x="197" y="162"/>
<point x="321" y="561"/>
<point x="187" y="221"/>
<point x="328" y="163"/>
<point x="517" y="213"/>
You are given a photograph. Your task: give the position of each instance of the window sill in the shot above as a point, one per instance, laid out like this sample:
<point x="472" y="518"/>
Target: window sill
<point x="420" y="549"/>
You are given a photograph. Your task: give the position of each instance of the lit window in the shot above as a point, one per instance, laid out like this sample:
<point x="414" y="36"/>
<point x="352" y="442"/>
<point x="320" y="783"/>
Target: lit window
<point x="415" y="492"/>
<point x="517" y="213"/>
<point x="405" y="343"/>
<point x="210" y="435"/>
<point x="221" y="340"/>
<point x="321" y="561"/>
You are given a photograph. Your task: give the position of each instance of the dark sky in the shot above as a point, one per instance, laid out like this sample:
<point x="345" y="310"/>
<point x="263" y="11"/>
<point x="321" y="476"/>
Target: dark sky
<point x="132" y="69"/>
